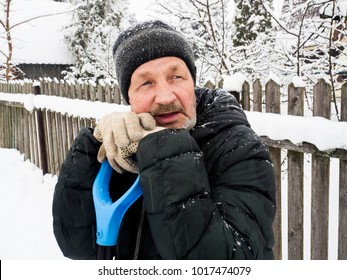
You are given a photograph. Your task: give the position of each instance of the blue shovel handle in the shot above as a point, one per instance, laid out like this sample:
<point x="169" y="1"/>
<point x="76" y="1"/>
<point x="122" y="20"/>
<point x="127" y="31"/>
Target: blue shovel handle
<point x="109" y="214"/>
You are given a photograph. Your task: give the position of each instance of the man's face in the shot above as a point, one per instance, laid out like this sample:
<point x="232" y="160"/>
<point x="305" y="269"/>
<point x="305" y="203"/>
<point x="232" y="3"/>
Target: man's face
<point x="164" y="88"/>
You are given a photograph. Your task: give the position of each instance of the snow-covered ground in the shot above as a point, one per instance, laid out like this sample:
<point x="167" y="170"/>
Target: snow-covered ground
<point x="26" y="230"/>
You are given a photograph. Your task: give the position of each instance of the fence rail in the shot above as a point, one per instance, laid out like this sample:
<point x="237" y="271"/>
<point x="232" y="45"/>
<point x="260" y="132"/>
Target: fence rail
<point x="22" y="130"/>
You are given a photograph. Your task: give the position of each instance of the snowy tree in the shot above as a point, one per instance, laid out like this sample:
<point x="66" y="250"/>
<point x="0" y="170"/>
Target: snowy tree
<point x="90" y="37"/>
<point x="314" y="44"/>
<point x="254" y="40"/>
<point x="251" y="19"/>
<point x="316" y="37"/>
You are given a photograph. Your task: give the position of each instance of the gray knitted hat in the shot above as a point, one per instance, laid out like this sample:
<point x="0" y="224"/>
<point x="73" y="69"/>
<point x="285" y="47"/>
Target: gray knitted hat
<point x="144" y="42"/>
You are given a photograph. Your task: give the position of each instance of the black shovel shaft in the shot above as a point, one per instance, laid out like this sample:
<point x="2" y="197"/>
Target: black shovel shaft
<point x="105" y="253"/>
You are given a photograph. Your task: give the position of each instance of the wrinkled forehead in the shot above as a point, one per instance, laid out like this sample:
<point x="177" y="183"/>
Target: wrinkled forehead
<point x="167" y="64"/>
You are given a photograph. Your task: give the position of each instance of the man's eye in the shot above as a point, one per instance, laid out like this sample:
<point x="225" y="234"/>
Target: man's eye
<point x="177" y="77"/>
<point x="146" y="83"/>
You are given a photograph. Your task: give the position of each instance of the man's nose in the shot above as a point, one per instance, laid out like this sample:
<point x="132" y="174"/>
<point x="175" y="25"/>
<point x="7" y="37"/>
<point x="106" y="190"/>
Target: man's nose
<point x="164" y="94"/>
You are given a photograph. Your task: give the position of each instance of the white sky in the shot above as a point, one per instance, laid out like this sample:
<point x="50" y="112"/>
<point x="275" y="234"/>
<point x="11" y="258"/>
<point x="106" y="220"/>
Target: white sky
<point x="142" y="8"/>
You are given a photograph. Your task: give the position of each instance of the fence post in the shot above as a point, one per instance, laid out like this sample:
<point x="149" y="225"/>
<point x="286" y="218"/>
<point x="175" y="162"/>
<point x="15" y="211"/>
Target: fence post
<point x="342" y="235"/>
<point x="246" y="101"/>
<point x="295" y="183"/>
<point x="272" y="100"/>
<point x="320" y="180"/>
<point x="41" y="134"/>
<point x="257" y="96"/>
<point x="116" y="95"/>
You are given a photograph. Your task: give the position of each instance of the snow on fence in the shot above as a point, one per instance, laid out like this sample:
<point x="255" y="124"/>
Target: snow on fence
<point x="44" y="135"/>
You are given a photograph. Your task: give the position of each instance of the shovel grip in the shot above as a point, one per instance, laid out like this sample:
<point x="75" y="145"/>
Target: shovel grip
<point x="109" y="214"/>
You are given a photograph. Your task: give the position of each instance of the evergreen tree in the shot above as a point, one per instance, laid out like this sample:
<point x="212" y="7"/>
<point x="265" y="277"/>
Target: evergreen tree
<point x="90" y="37"/>
<point x="251" y="19"/>
<point x="254" y="40"/>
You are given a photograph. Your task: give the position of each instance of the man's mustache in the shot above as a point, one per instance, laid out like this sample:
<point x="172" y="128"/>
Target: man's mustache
<point x="162" y="109"/>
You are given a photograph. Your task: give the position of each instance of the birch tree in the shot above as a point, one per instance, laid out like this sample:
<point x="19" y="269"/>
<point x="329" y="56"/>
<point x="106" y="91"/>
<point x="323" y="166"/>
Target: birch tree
<point x="5" y="24"/>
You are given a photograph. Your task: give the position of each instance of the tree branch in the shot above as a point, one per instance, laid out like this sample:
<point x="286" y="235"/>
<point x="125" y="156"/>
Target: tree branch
<point x="266" y="7"/>
<point x="42" y="16"/>
<point x="3" y="53"/>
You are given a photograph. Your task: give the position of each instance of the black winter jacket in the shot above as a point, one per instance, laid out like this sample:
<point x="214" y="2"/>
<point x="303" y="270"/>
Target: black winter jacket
<point x="208" y="193"/>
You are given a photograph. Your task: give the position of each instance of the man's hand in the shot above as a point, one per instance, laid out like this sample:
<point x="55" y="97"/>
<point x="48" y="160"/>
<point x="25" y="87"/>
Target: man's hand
<point x="120" y="133"/>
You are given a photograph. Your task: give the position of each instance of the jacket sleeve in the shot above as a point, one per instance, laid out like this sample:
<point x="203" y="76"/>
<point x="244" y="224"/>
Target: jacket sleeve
<point x="199" y="202"/>
<point x="240" y="172"/>
<point x="73" y="207"/>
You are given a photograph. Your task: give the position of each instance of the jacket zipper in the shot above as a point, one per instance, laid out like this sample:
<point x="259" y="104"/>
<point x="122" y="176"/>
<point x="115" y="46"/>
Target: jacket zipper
<point x="139" y="232"/>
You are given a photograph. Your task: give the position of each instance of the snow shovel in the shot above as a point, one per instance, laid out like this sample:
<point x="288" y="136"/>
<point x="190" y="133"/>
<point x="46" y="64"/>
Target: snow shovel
<point x="109" y="214"/>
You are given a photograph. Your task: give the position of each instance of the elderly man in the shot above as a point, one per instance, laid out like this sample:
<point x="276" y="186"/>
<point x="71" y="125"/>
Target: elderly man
<point x="207" y="180"/>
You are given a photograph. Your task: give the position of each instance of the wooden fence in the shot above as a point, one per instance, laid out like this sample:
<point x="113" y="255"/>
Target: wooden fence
<point x="319" y="171"/>
<point x="21" y="131"/>
<point x="22" y="127"/>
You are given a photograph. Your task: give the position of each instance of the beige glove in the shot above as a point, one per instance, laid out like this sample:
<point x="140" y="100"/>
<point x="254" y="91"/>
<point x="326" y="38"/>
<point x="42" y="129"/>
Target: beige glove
<point x="118" y="131"/>
<point x="122" y="157"/>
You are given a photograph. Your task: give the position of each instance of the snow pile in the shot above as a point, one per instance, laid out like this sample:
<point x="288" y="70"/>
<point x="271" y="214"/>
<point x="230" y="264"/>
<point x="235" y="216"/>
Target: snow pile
<point x="234" y="82"/>
<point x="298" y="82"/>
<point x="71" y="107"/>
<point x="26" y="99"/>
<point x="323" y="133"/>
<point x="76" y="107"/>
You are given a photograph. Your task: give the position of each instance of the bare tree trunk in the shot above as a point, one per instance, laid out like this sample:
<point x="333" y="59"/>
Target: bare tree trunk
<point x="9" y="41"/>
<point x="331" y="64"/>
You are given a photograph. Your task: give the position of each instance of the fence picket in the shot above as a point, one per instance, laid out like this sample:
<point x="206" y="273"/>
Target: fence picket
<point x="320" y="180"/>
<point x="41" y="136"/>
<point x="272" y="101"/>
<point x="295" y="183"/>
<point x="246" y="101"/>
<point x="257" y="96"/>
<point x="342" y="231"/>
